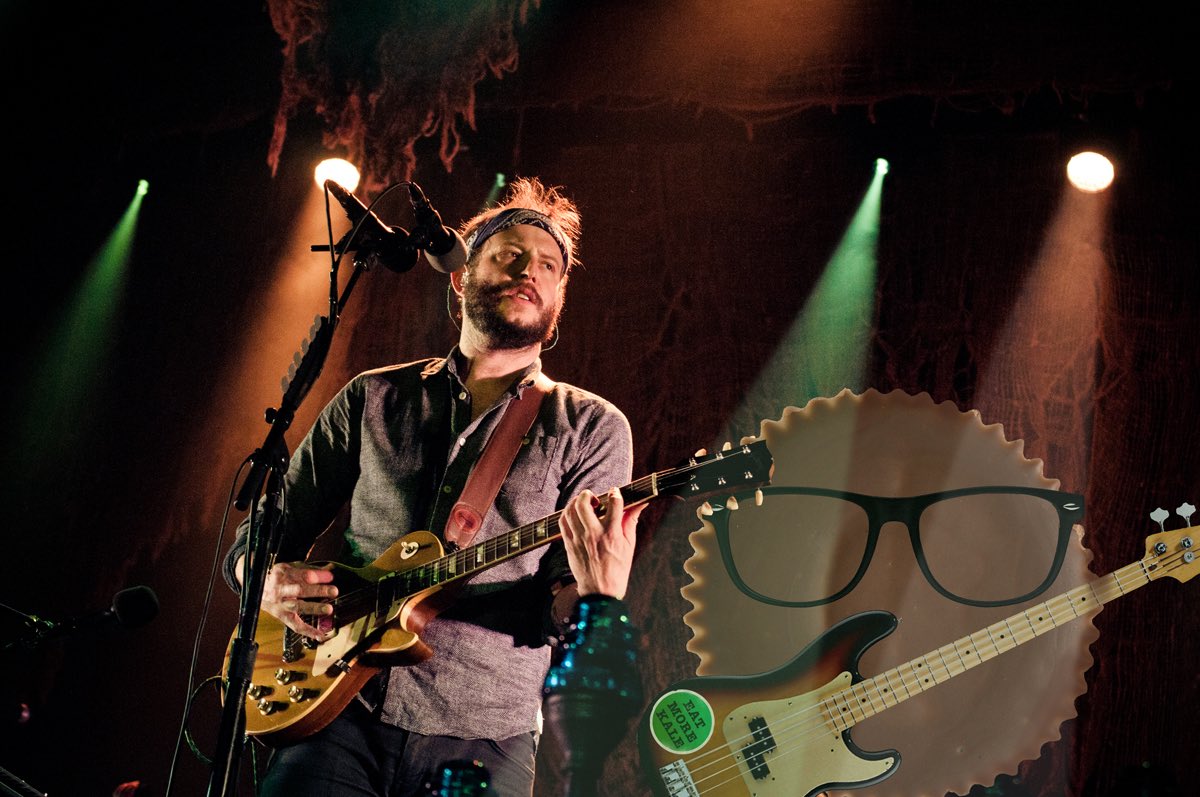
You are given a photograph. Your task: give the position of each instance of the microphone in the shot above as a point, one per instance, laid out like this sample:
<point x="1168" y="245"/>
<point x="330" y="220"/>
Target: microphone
<point x="390" y="247"/>
<point x="131" y="608"/>
<point x="444" y="248"/>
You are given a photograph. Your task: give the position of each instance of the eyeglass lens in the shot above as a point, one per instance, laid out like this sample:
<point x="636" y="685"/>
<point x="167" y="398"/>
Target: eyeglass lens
<point x="980" y="547"/>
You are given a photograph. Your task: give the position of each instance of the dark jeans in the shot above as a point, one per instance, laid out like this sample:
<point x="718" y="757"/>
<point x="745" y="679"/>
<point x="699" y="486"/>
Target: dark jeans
<point x="357" y="754"/>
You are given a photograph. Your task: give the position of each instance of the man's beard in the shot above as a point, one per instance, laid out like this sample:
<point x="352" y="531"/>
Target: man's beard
<point x="481" y="303"/>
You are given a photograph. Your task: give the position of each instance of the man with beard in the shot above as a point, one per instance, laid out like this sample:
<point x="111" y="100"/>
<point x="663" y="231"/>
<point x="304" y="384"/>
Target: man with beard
<point x="398" y="443"/>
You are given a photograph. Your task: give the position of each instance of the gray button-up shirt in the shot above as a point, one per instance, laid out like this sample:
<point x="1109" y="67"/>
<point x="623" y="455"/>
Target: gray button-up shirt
<point x="399" y="443"/>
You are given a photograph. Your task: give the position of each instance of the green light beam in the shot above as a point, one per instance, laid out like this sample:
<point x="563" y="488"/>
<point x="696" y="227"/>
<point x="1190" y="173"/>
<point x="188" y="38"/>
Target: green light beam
<point x="828" y="346"/>
<point x="76" y="357"/>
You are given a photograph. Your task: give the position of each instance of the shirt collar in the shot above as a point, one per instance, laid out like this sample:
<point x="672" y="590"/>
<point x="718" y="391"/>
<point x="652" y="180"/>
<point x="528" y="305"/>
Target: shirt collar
<point x="455" y="364"/>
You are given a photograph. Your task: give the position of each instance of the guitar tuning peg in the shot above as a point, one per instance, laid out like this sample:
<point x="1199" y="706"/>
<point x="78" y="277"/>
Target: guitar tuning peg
<point x="1185" y="511"/>
<point x="706" y="509"/>
<point x="731" y="503"/>
<point x="758" y="498"/>
<point x="700" y="452"/>
<point x="747" y="440"/>
<point x="728" y="446"/>
<point x="1158" y="516"/>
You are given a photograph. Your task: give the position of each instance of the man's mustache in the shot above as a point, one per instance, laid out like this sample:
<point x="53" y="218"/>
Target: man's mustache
<point x="495" y="292"/>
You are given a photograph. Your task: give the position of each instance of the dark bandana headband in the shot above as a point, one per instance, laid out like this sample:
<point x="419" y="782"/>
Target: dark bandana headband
<point x="511" y="218"/>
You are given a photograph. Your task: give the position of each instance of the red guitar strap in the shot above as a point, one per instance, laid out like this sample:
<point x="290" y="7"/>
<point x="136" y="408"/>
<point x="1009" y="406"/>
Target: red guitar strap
<point x="466" y="518"/>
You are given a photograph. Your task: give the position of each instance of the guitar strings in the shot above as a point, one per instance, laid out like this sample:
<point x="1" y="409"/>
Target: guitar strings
<point x="494" y="549"/>
<point x="802" y="728"/>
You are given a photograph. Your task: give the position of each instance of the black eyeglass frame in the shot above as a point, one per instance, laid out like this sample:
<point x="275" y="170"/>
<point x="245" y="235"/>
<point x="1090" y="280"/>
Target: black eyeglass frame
<point x="906" y="510"/>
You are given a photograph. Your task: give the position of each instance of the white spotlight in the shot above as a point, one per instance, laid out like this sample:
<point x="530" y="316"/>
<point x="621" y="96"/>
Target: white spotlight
<point x="1090" y="172"/>
<point x="342" y="172"/>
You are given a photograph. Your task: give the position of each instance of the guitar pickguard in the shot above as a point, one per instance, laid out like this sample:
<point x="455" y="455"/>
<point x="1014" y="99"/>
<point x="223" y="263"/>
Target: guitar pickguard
<point x="786" y="747"/>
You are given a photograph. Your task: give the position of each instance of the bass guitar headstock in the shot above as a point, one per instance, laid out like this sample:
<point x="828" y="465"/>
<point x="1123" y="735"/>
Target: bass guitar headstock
<point x="1172" y="553"/>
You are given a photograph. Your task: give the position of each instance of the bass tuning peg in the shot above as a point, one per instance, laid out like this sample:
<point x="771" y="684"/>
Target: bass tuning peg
<point x="1158" y="516"/>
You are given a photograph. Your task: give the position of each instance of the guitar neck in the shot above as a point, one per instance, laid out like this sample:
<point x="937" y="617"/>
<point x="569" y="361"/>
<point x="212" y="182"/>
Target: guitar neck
<point x="464" y="563"/>
<point x="870" y="696"/>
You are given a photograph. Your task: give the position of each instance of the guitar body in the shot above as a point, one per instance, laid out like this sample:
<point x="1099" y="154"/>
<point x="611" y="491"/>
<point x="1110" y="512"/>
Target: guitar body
<point x="299" y="685"/>
<point x="735" y="736"/>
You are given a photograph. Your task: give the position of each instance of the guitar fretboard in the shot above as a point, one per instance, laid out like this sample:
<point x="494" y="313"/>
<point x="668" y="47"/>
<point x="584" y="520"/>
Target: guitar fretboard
<point x="844" y="709"/>
<point x="482" y="555"/>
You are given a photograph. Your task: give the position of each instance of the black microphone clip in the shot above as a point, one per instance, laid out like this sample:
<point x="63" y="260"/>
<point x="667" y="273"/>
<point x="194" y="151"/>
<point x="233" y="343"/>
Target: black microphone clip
<point x="374" y="243"/>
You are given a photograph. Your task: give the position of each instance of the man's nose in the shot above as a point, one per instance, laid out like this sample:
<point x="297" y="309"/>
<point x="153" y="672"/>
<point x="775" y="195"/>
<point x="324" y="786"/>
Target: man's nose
<point x="523" y="266"/>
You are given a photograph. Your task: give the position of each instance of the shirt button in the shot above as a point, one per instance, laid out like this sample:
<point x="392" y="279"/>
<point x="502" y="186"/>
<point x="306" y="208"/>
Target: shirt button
<point x="463" y="395"/>
<point x="447" y="488"/>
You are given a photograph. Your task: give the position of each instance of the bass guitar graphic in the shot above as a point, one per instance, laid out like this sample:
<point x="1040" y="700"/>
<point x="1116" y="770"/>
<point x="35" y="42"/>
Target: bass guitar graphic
<point x="787" y="731"/>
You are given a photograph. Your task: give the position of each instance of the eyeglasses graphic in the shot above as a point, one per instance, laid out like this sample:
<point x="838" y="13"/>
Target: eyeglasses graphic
<point x="980" y="546"/>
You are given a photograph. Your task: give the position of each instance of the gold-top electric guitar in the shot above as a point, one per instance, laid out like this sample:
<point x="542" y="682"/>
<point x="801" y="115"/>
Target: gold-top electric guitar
<point x="299" y="685"/>
<point x="787" y="731"/>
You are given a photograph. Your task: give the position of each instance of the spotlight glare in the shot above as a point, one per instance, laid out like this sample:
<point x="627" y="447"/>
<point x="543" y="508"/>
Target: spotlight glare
<point x="881" y="166"/>
<point x="143" y="187"/>
<point x="339" y="170"/>
<point x="1090" y="172"/>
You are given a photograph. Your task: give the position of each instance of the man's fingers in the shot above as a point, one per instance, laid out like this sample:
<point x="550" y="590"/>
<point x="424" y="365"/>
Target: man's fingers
<point x="616" y="507"/>
<point x="630" y="519"/>
<point x="314" y="608"/>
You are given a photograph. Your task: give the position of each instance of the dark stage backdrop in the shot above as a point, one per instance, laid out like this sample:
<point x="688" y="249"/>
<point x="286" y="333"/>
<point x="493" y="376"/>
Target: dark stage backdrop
<point x="700" y="246"/>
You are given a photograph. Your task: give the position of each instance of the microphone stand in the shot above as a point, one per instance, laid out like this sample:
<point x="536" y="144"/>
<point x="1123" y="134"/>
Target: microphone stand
<point x="268" y="464"/>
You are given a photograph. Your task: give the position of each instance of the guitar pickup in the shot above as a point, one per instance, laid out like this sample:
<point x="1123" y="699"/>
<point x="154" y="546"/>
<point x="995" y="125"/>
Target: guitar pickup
<point x="755" y="752"/>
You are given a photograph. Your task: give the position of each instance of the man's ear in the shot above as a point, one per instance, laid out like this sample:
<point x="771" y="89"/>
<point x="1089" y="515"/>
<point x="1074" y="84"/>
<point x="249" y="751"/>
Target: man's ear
<point x="456" y="280"/>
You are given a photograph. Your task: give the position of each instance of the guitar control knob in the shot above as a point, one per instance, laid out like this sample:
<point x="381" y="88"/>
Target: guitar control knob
<point x="283" y="676"/>
<point x="258" y="691"/>
<point x="298" y="694"/>
<point x="268" y="707"/>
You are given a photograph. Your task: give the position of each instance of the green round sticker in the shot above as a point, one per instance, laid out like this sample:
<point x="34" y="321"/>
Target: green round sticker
<point x="682" y="721"/>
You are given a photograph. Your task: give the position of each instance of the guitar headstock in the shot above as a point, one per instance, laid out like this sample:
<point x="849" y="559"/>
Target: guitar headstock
<point x="734" y="468"/>
<point x="1172" y="553"/>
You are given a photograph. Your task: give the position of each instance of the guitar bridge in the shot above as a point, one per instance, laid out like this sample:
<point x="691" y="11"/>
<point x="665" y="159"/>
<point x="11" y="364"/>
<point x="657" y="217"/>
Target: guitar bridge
<point x="293" y="646"/>
<point x="678" y="780"/>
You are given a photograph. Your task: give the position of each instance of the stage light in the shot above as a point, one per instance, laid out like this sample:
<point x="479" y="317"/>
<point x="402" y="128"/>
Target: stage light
<point x="881" y="166"/>
<point x="143" y="187"/>
<point x="494" y="192"/>
<point x="340" y="171"/>
<point x="1090" y="172"/>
